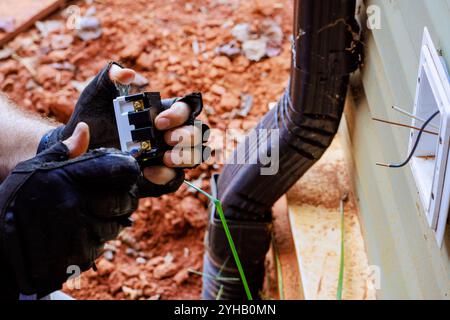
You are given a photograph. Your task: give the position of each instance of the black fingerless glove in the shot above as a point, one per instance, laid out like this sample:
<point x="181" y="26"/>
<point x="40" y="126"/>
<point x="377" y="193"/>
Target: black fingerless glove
<point x="95" y="107"/>
<point x="57" y="213"/>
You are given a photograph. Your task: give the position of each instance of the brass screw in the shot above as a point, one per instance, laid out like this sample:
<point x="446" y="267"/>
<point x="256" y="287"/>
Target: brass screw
<point x="138" y="105"/>
<point x="146" y="145"/>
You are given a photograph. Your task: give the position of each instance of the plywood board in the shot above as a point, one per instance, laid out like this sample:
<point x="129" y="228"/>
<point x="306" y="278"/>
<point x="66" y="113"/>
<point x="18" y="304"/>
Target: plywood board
<point x="24" y="13"/>
<point x="285" y="257"/>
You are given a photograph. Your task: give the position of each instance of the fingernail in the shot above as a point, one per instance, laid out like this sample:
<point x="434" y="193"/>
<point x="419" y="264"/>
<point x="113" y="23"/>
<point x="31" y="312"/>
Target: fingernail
<point x="162" y="123"/>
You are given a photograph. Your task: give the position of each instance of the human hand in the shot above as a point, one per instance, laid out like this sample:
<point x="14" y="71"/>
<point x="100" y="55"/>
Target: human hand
<point x="95" y="107"/>
<point x="57" y="210"/>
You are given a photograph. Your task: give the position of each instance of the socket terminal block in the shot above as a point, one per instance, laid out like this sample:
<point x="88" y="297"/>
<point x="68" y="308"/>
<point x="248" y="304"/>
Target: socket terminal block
<point x="135" y="119"/>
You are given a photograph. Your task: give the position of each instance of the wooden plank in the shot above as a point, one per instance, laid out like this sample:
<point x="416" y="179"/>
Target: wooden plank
<point x="288" y="273"/>
<point x="25" y="13"/>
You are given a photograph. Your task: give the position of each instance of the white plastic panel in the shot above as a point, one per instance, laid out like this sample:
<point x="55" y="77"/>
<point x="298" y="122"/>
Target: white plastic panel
<point x="430" y="161"/>
<point x="124" y="128"/>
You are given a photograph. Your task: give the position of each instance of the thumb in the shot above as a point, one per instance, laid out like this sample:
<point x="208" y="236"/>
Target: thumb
<point x="78" y="142"/>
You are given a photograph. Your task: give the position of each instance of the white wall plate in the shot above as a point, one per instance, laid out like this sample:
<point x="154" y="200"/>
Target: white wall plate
<point x="430" y="161"/>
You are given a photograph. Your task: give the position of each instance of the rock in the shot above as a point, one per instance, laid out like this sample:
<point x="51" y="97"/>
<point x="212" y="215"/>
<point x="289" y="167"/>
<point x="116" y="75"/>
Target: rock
<point x="131" y="252"/>
<point x="131" y="293"/>
<point x="229" y="49"/>
<point x="241" y="32"/>
<point x="140" y="260"/>
<point x="108" y="255"/>
<point x="62" y="107"/>
<point x="176" y="88"/>
<point x="241" y="63"/>
<point x="7" y="24"/>
<point x="128" y="239"/>
<point x="210" y="33"/>
<point x="219" y="90"/>
<point x="272" y="31"/>
<point x="133" y="49"/>
<point x="155" y="261"/>
<point x="130" y="271"/>
<point x="46" y="73"/>
<point x="146" y="61"/>
<point x="63" y="66"/>
<point x="168" y="258"/>
<point x="61" y="41"/>
<point x="193" y="212"/>
<point x="255" y="50"/>
<point x="175" y="225"/>
<point x="116" y="279"/>
<point x="221" y="62"/>
<point x="181" y="277"/>
<point x="5" y="53"/>
<point x="49" y="26"/>
<point x="273" y="51"/>
<point x="110" y="247"/>
<point x="56" y="56"/>
<point x="89" y="28"/>
<point x="165" y="270"/>
<point x="229" y="102"/>
<point x="10" y="66"/>
<point x="104" y="267"/>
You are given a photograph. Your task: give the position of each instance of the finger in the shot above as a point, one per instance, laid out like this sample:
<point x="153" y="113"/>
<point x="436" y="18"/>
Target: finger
<point x="78" y="142"/>
<point x="121" y="75"/>
<point x="159" y="174"/>
<point x="187" y="136"/>
<point x="173" y="117"/>
<point x="182" y="157"/>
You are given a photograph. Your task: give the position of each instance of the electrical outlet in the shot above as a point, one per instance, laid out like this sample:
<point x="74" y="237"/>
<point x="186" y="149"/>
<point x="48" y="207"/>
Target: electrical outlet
<point x="430" y="165"/>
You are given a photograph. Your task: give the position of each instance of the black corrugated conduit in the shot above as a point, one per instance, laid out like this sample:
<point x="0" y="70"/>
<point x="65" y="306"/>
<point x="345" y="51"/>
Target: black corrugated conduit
<point x="325" y="51"/>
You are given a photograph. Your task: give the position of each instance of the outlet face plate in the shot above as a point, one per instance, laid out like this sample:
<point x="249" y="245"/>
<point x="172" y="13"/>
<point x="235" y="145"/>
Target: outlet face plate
<point x="430" y="161"/>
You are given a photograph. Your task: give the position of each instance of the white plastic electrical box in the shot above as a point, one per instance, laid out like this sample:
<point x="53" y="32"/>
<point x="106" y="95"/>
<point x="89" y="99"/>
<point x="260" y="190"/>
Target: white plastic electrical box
<point x="430" y="165"/>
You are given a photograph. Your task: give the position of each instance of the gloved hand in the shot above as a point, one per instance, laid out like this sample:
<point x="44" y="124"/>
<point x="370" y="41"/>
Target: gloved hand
<point x="95" y="107"/>
<point x="57" y="212"/>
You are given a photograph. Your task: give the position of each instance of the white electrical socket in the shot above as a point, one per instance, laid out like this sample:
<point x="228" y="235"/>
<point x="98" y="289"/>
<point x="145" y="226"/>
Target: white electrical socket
<point x="430" y="165"/>
<point x="124" y="128"/>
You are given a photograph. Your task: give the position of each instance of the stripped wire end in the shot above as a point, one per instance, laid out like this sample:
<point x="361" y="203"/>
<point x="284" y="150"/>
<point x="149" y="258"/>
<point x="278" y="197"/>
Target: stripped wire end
<point x="383" y="164"/>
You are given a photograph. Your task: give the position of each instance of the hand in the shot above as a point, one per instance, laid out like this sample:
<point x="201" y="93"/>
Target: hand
<point x="95" y="107"/>
<point x="57" y="210"/>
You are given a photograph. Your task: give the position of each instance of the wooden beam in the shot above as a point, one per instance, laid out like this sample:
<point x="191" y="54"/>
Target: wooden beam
<point x="25" y="13"/>
<point x="287" y="268"/>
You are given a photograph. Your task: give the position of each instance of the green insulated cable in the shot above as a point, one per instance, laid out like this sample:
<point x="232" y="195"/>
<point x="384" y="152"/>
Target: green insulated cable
<point x="219" y="209"/>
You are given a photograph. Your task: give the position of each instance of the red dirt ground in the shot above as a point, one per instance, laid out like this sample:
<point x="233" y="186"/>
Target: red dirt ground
<point x="155" y="38"/>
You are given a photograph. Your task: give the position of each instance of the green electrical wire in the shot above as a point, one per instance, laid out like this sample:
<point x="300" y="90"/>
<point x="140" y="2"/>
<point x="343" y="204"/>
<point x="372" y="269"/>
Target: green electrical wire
<point x="219" y="209"/>
<point x="341" y="266"/>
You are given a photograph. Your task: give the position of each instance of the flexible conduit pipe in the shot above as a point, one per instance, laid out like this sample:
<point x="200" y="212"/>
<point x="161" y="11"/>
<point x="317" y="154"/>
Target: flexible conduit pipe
<point x="325" y="51"/>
